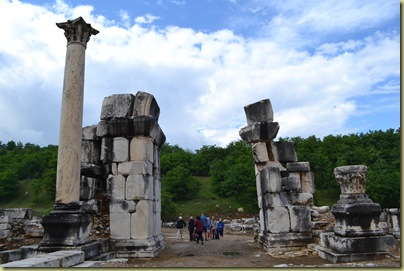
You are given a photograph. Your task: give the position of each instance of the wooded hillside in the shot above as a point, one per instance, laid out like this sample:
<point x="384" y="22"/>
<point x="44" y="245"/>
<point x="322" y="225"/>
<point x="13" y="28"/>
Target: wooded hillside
<point x="230" y="170"/>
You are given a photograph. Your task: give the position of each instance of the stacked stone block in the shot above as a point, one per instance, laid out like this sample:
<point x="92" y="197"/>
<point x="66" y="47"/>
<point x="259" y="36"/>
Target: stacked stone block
<point x="130" y="141"/>
<point x="285" y="186"/>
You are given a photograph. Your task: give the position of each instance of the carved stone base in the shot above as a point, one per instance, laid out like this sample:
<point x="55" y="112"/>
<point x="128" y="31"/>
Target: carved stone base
<point x="137" y="248"/>
<point x="291" y="241"/>
<point x="66" y="225"/>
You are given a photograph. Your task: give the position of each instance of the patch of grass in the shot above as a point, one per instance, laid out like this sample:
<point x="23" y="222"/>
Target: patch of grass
<point x="326" y="197"/>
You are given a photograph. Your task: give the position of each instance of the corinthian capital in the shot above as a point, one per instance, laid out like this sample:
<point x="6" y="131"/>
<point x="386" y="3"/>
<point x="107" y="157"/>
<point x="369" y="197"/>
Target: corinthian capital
<point x="77" y="31"/>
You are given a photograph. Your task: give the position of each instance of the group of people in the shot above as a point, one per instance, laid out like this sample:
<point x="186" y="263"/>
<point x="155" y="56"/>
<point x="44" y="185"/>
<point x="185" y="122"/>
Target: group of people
<point x="201" y="227"/>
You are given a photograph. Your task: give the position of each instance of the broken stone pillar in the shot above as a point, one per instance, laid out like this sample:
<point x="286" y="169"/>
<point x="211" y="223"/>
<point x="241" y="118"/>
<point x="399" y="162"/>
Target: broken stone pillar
<point x="356" y="236"/>
<point x="67" y="224"/>
<point x="284" y="185"/>
<point x="130" y="143"/>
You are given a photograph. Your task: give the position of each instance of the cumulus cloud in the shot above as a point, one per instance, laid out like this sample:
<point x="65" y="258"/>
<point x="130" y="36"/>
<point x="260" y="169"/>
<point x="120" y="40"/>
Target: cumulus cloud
<point x="201" y="80"/>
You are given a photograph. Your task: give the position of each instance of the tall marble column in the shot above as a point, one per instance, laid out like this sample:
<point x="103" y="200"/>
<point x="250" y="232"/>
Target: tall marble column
<point x="78" y="33"/>
<point x="67" y="224"/>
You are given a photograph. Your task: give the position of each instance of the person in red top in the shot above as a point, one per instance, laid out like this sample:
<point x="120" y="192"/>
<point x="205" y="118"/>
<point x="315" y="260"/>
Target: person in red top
<point x="199" y="229"/>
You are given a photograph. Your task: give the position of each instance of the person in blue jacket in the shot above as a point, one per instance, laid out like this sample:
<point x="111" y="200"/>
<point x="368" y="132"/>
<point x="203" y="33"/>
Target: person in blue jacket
<point x="220" y="227"/>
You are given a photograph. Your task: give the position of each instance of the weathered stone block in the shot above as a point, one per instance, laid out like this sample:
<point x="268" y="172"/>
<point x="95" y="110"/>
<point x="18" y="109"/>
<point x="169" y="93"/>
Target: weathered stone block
<point x="87" y="188"/>
<point x="291" y="183"/>
<point x="300" y="220"/>
<point x="145" y="105"/>
<point x="116" y="187"/>
<point x="126" y="127"/>
<point x="271" y="180"/>
<point x="298" y="167"/>
<point x="141" y="149"/>
<point x="120" y="149"/>
<point x="158" y="136"/>
<point x="117" y="106"/>
<point x="260" y="152"/>
<point x="259" y="131"/>
<point x="89" y="133"/>
<point x="5" y="226"/>
<point x="295" y="198"/>
<point x="284" y="152"/>
<point x="122" y="206"/>
<point x="114" y="168"/>
<point x="274" y="200"/>
<point x="142" y="220"/>
<point x="307" y="181"/>
<point x="260" y="167"/>
<point x="93" y="170"/>
<point x="120" y="225"/>
<point x="16" y="213"/>
<point x="139" y="187"/>
<point x="278" y="219"/>
<point x="156" y="189"/>
<point x="259" y="111"/>
<point x="131" y="167"/>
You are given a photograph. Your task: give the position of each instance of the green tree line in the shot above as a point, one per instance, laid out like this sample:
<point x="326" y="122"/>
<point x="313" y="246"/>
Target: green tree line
<point x="230" y="168"/>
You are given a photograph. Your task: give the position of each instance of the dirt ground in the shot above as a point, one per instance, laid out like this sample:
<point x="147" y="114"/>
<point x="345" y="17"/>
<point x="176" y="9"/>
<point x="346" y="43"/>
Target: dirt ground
<point x="237" y="249"/>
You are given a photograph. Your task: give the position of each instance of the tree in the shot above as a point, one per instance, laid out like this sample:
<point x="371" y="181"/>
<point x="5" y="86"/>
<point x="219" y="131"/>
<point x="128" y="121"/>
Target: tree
<point x="180" y="184"/>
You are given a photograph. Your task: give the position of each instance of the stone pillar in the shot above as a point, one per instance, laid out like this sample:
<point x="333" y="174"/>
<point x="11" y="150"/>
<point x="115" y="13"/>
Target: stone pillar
<point x="356" y="236"/>
<point x="67" y="224"/>
<point x="131" y="141"/>
<point x="284" y="186"/>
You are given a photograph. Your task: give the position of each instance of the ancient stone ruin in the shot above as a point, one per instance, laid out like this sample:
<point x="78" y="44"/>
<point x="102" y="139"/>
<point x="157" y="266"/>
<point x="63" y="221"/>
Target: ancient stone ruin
<point x="357" y="235"/>
<point x="285" y="186"/>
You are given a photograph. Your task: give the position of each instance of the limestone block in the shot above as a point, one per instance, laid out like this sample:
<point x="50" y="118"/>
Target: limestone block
<point x="259" y="131"/>
<point x="120" y="149"/>
<point x="307" y="181"/>
<point x="278" y="220"/>
<point x="158" y="136"/>
<point x="260" y="152"/>
<point x="259" y="111"/>
<point x="262" y="221"/>
<point x="271" y="180"/>
<point x="292" y="183"/>
<point x="260" y="167"/>
<point x="122" y="206"/>
<point x="87" y="188"/>
<point x="119" y="225"/>
<point x="127" y="127"/>
<point x="158" y="206"/>
<point x="5" y="226"/>
<point x="141" y="149"/>
<point x="90" y="206"/>
<point x="4" y="219"/>
<point x="5" y="233"/>
<point x="135" y="167"/>
<point x="142" y="226"/>
<point x="107" y="150"/>
<point x="17" y="213"/>
<point x="139" y="187"/>
<point x="274" y="200"/>
<point x="156" y="189"/>
<point x="117" y="106"/>
<point x="258" y="184"/>
<point x="116" y="187"/>
<point x="90" y="151"/>
<point x="89" y="133"/>
<point x="145" y="105"/>
<point x="114" y="168"/>
<point x="295" y="198"/>
<point x="94" y="170"/>
<point x="298" y="167"/>
<point x="284" y="152"/>
<point x="260" y="201"/>
<point x="157" y="224"/>
<point x="300" y="220"/>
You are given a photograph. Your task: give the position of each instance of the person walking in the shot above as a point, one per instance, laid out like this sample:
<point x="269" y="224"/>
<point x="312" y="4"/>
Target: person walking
<point x="220" y="227"/>
<point x="191" y="227"/>
<point x="205" y="224"/>
<point x="199" y="229"/>
<point x="213" y="224"/>
<point x="180" y="225"/>
<point x="208" y="228"/>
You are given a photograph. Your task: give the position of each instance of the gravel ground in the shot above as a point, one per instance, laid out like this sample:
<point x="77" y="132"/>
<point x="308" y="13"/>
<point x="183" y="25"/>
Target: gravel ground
<point x="237" y="249"/>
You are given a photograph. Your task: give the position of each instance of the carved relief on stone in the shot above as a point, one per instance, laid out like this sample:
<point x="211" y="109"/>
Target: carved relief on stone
<point x="77" y="30"/>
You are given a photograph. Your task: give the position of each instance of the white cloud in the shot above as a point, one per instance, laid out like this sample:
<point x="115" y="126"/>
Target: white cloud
<point x="201" y="81"/>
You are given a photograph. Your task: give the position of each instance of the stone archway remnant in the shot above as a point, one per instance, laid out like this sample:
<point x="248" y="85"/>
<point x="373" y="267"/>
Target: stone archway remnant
<point x="67" y="224"/>
<point x="285" y="186"/>
<point x="357" y="235"/>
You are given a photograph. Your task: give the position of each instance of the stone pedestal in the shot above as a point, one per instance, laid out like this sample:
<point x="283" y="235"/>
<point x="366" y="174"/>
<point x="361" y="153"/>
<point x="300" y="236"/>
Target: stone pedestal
<point x="356" y="235"/>
<point x="66" y="225"/>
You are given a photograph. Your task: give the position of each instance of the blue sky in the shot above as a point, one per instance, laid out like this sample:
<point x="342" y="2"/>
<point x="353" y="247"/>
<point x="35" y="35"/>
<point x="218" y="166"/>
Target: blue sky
<point x="328" y="67"/>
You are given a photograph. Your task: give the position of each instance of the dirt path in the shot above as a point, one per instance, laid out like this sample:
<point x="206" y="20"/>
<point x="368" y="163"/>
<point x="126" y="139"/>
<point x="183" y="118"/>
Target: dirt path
<point x="234" y="250"/>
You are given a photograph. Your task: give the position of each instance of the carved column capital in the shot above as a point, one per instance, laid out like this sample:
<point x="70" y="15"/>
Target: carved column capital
<point x="77" y="31"/>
